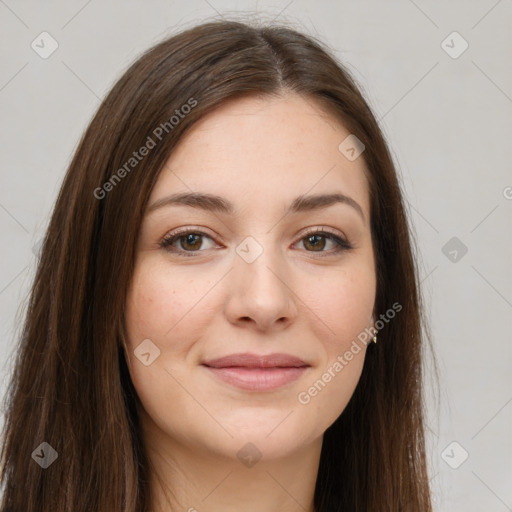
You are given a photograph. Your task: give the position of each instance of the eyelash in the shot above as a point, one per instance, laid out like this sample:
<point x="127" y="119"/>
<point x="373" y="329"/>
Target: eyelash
<point x="171" y="238"/>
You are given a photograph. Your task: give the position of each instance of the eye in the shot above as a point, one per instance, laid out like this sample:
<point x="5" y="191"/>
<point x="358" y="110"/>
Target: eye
<point x="318" y="239"/>
<point x="188" y="240"/>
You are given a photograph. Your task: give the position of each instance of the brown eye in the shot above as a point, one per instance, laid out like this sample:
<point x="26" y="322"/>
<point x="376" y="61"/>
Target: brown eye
<point x="191" y="242"/>
<point x="316" y="242"/>
<point x="324" y="243"/>
<point x="186" y="241"/>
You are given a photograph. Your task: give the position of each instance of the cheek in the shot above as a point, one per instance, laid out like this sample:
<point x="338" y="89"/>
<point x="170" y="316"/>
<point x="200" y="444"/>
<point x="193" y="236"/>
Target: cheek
<point x="151" y="306"/>
<point x="164" y="305"/>
<point x="344" y="303"/>
<point x="165" y="308"/>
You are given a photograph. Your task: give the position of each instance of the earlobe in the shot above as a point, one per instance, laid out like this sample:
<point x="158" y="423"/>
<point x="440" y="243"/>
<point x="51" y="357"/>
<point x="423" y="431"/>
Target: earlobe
<point x="372" y="326"/>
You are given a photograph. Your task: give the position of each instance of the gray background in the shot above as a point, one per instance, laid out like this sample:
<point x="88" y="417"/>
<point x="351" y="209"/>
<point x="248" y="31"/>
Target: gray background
<point x="449" y="124"/>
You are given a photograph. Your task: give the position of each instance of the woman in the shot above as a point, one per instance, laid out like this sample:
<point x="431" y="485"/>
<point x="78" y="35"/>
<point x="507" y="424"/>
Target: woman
<point x="226" y="311"/>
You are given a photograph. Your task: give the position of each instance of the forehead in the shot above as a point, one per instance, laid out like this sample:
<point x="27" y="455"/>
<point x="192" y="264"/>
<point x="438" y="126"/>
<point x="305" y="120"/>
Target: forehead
<point x="264" y="151"/>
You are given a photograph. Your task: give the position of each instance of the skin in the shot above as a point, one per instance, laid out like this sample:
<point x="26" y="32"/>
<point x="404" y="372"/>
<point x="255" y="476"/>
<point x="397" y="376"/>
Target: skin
<point x="260" y="154"/>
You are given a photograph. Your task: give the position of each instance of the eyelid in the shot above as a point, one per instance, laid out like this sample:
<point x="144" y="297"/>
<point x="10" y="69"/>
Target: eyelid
<point x="176" y="234"/>
<point x="188" y="229"/>
<point x="322" y="229"/>
<point x="341" y="241"/>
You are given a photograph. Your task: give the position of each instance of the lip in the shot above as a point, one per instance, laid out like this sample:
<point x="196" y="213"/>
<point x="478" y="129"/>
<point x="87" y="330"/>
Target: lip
<point x="248" y="360"/>
<point x="254" y="372"/>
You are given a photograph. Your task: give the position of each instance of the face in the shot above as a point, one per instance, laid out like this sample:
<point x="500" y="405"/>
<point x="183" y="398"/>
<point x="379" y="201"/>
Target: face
<point x="263" y="272"/>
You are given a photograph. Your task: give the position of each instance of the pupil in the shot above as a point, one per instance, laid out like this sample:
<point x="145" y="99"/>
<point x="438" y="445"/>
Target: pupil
<point x="314" y="243"/>
<point x="190" y="238"/>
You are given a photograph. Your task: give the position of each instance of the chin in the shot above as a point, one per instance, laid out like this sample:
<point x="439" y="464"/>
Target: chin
<point x="266" y="437"/>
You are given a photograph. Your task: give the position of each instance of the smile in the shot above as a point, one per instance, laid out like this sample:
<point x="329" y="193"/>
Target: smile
<point x="257" y="372"/>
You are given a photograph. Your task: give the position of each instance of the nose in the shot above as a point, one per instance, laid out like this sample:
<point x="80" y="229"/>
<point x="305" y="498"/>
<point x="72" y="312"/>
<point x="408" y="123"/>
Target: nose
<point x="261" y="294"/>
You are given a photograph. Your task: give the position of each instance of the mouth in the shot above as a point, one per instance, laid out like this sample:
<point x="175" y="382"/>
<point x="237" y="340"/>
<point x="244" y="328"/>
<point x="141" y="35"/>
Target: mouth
<point x="253" y="372"/>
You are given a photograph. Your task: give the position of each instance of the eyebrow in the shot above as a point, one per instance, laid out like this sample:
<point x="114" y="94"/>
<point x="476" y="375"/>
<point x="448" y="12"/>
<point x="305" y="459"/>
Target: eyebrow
<point x="214" y="203"/>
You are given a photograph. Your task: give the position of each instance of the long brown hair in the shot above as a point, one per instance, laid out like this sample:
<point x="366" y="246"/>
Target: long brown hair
<point x="70" y="385"/>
